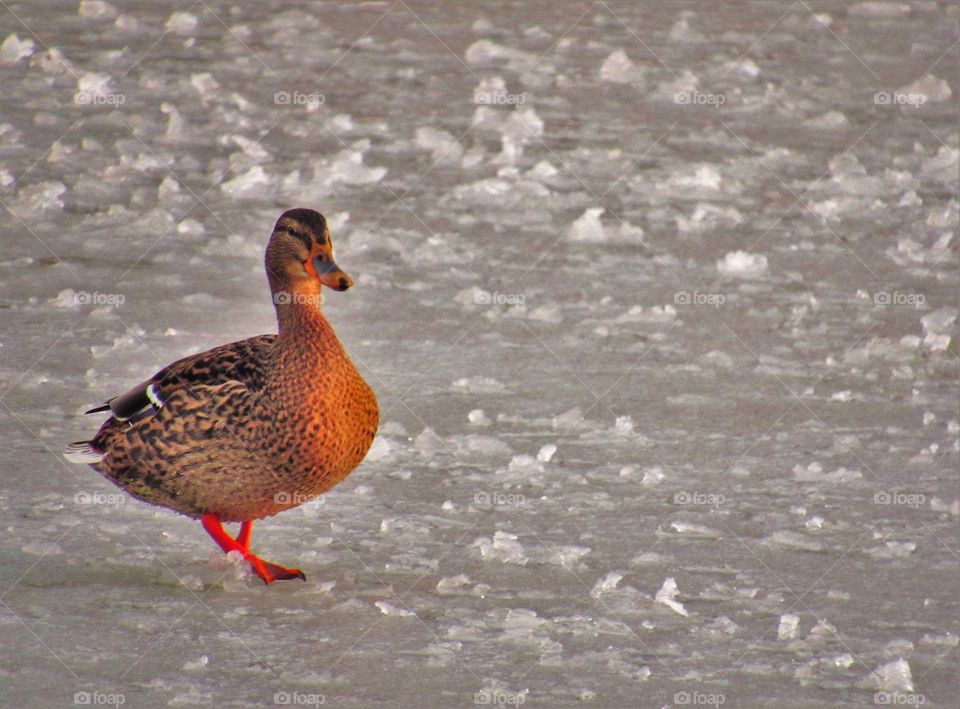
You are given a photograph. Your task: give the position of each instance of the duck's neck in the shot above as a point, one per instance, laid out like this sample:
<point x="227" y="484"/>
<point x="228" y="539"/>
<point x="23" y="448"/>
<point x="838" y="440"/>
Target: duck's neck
<point x="303" y="330"/>
<point x="297" y="321"/>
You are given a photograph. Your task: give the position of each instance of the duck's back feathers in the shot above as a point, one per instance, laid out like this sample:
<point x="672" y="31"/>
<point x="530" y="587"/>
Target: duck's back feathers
<point x="181" y="420"/>
<point x="243" y="361"/>
<point x="192" y="454"/>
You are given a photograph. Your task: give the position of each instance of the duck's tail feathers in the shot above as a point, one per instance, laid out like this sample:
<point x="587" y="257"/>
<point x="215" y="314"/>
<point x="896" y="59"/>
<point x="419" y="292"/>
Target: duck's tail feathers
<point x="82" y="452"/>
<point x="104" y="407"/>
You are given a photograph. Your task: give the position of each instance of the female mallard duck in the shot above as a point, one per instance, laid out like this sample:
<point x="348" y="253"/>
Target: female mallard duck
<point x="251" y="428"/>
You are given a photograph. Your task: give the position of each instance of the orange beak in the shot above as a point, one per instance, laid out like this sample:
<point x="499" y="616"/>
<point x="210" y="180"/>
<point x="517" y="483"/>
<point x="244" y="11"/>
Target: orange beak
<point x="329" y="273"/>
<point x="337" y="279"/>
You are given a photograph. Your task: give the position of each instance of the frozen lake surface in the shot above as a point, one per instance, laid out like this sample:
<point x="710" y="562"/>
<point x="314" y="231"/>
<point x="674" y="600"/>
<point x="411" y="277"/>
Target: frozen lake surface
<point x="659" y="301"/>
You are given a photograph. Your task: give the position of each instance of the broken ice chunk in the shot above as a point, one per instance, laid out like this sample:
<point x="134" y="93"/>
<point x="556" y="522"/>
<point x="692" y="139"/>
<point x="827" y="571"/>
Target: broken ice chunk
<point x="895" y="676"/>
<point x="742" y="264"/>
<point x="787" y="630"/>
<point x="390" y="609"/>
<point x="667" y="596"/>
<point x="606" y="584"/>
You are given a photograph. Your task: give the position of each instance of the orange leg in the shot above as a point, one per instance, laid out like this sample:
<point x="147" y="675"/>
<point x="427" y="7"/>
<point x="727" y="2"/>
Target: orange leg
<point x="264" y="569"/>
<point x="243" y="538"/>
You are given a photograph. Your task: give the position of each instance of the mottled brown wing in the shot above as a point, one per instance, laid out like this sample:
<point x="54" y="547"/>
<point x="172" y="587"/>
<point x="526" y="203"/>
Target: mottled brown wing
<point x="243" y="361"/>
<point x="192" y="454"/>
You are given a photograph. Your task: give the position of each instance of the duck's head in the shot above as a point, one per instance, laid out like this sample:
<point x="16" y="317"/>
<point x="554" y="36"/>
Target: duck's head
<point x="299" y="256"/>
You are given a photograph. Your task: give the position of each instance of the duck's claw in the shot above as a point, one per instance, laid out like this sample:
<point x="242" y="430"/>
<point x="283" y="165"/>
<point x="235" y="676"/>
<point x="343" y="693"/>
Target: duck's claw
<point x="272" y="572"/>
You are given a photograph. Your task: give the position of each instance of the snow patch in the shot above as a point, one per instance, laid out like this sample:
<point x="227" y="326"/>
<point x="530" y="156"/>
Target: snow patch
<point x="740" y="264"/>
<point x="14" y="49"/>
<point x="618" y="69"/>
<point x="485" y="52"/>
<point x="479" y="385"/>
<point x="443" y="146"/>
<point x="588" y="228"/>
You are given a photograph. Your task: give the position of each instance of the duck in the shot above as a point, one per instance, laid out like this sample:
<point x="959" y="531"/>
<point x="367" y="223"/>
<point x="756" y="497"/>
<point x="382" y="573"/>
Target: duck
<point x="251" y="428"/>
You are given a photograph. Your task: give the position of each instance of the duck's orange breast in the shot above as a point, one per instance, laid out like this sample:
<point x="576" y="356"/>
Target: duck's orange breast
<point x="326" y="414"/>
<point x="340" y="424"/>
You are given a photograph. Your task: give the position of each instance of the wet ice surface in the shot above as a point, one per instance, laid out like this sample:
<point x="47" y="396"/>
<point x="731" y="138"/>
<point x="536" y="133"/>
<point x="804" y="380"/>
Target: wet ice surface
<point x="660" y="308"/>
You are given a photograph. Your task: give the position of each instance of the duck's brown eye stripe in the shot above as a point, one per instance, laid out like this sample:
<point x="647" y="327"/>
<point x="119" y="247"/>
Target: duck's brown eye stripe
<point x="304" y="238"/>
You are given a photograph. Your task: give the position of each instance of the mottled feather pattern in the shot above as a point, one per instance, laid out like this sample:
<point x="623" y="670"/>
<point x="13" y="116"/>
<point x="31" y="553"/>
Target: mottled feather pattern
<point x="243" y="361"/>
<point x="254" y="427"/>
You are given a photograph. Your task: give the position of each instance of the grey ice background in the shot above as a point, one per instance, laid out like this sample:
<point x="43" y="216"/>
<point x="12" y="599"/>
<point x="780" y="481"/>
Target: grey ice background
<point x="659" y="300"/>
